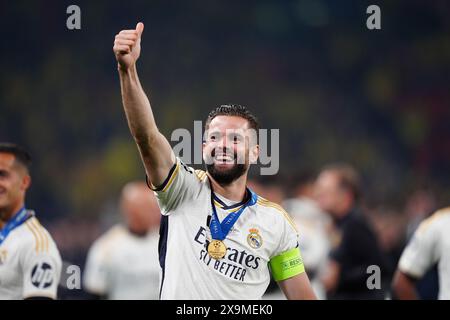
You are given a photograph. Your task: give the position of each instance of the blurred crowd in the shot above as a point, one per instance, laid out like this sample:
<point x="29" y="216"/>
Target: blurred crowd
<point x="337" y="91"/>
<point x="392" y="224"/>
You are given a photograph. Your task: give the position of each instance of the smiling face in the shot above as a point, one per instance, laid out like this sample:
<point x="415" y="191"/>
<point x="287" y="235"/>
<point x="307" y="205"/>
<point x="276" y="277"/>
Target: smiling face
<point x="14" y="181"/>
<point x="229" y="148"/>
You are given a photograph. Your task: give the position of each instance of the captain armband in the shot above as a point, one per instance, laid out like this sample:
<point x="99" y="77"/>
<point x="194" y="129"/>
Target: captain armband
<point x="287" y="265"/>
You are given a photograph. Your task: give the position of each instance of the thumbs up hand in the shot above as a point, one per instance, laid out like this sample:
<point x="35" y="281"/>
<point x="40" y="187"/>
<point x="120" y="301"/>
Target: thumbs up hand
<point x="127" y="46"/>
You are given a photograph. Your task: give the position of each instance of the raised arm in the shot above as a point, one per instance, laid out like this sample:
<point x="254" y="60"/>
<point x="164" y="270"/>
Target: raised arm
<point x="155" y="150"/>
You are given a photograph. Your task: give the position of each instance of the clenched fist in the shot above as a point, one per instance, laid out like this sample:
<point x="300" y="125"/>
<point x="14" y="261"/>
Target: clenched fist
<point x="127" y="46"/>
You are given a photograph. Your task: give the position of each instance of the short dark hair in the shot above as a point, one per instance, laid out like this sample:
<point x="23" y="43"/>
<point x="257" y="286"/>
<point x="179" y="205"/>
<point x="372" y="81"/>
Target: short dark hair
<point x="21" y="155"/>
<point x="349" y="178"/>
<point x="233" y="110"/>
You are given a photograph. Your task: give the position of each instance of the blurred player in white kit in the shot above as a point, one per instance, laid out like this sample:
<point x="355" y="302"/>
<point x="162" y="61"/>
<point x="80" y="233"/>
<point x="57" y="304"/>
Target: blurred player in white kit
<point x="123" y="263"/>
<point x="429" y="246"/>
<point x="314" y="227"/>
<point x="30" y="263"/>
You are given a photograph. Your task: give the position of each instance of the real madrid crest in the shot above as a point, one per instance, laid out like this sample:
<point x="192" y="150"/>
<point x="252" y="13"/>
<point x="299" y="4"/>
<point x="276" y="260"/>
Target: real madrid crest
<point x="254" y="239"/>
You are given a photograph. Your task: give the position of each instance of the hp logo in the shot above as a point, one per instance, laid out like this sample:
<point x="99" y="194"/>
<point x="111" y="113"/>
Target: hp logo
<point x="42" y="275"/>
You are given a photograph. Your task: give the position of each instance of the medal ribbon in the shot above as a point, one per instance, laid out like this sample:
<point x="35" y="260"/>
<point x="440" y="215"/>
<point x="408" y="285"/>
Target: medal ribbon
<point x="220" y="230"/>
<point x="19" y="218"/>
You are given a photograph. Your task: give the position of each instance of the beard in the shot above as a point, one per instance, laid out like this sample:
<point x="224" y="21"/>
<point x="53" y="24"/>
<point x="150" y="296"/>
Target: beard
<point x="226" y="176"/>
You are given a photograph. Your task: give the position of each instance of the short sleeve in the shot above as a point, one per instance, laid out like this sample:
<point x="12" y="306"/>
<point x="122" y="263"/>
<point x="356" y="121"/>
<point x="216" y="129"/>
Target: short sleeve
<point x="95" y="279"/>
<point x="289" y="236"/>
<point x="286" y="261"/>
<point x="181" y="184"/>
<point x="41" y="272"/>
<point x="420" y="253"/>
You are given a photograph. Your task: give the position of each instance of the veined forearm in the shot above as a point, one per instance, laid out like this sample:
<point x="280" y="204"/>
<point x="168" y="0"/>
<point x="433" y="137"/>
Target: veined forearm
<point x="155" y="150"/>
<point x="137" y="106"/>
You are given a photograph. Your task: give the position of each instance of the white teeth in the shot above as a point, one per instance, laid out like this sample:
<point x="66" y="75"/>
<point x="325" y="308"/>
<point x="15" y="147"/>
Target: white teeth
<point x="224" y="157"/>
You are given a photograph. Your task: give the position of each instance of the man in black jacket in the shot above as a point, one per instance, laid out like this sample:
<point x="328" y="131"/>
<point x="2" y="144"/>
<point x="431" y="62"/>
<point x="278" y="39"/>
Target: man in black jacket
<point x="356" y="254"/>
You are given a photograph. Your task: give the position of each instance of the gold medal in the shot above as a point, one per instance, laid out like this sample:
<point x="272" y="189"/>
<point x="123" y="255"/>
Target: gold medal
<point x="217" y="249"/>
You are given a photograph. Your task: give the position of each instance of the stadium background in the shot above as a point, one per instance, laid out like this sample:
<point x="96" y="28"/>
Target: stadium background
<point x="336" y="90"/>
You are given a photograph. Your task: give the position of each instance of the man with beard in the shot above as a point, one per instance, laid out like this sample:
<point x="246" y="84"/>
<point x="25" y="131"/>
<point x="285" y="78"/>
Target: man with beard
<point x="217" y="237"/>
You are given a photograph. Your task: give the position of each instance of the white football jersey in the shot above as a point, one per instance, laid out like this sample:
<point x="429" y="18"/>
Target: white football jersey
<point x="263" y="231"/>
<point x="430" y="245"/>
<point x="30" y="264"/>
<point x="123" y="266"/>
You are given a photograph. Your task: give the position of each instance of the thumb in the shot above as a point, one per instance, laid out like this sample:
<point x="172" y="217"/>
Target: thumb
<point x="140" y="28"/>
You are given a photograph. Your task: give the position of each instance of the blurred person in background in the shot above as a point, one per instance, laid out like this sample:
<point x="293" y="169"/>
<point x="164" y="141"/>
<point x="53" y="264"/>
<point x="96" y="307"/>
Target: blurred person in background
<point x="429" y="246"/>
<point x="30" y="263"/>
<point x="313" y="225"/>
<point x="123" y="263"/>
<point x="389" y="225"/>
<point x="354" y="245"/>
<point x="420" y="204"/>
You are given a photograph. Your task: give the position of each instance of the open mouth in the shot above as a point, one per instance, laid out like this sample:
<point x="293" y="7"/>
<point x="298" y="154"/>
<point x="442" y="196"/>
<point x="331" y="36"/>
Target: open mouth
<point x="224" y="158"/>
